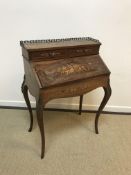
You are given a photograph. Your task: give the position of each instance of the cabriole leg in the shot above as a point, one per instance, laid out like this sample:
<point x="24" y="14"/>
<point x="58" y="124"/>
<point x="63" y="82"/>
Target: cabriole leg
<point x="39" y="111"/>
<point x="24" y="90"/>
<point x="80" y="104"/>
<point x="107" y="95"/>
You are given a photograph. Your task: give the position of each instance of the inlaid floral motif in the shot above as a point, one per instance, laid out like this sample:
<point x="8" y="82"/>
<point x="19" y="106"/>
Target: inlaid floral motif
<point x="71" y="68"/>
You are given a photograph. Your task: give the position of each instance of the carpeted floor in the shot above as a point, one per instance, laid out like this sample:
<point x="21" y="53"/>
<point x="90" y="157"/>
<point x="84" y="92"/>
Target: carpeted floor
<point x="72" y="147"/>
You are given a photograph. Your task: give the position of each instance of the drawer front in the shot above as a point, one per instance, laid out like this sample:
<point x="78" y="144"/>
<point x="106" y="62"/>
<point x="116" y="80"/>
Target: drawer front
<point x="48" y="54"/>
<point x="83" y="51"/>
<point x="64" y="53"/>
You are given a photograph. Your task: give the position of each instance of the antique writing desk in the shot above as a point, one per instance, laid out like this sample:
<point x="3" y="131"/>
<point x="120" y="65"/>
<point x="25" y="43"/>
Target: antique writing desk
<point x="62" y="68"/>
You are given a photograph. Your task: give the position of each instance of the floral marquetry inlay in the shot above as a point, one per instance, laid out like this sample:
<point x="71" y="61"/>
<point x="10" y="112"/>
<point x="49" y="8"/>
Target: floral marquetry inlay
<point x="71" y="68"/>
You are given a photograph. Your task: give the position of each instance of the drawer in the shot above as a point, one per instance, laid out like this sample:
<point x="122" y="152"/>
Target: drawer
<point x="83" y="51"/>
<point x="48" y="54"/>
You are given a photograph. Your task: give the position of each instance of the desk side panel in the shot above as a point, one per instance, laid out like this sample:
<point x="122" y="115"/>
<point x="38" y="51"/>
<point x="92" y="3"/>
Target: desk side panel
<point x="30" y="79"/>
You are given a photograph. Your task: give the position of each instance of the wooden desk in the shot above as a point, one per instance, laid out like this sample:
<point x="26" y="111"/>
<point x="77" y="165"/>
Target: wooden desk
<point x="62" y="68"/>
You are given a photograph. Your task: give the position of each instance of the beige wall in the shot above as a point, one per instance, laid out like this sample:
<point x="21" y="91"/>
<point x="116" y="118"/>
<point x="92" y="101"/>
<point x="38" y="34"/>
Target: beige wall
<point x="109" y="21"/>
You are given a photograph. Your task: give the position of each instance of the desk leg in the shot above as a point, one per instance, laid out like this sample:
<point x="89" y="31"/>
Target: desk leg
<point x="107" y="95"/>
<point x="80" y="104"/>
<point x="39" y="111"/>
<point x="24" y="90"/>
